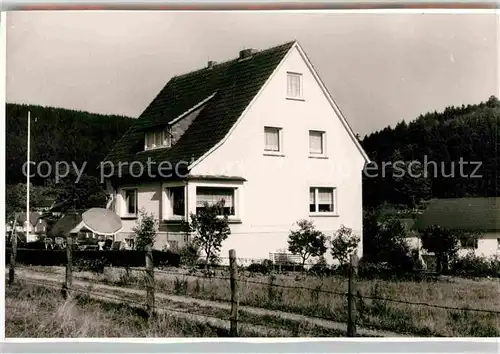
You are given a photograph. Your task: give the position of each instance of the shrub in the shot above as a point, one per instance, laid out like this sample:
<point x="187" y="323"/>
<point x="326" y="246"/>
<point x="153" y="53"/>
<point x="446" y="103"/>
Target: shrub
<point x="189" y="255"/>
<point x="91" y="265"/>
<point x="307" y="241"/>
<point x="384" y="241"/>
<point x="123" y="258"/>
<point x="344" y="244"/>
<point x="320" y="268"/>
<point x="384" y="270"/>
<point x="443" y="243"/>
<point x="146" y="230"/>
<point x="210" y="230"/>
<point x="265" y="267"/>
<point x="475" y="266"/>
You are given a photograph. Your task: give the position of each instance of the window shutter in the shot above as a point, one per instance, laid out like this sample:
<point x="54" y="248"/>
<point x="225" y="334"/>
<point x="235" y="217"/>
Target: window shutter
<point x="325" y="196"/>
<point x="315" y="142"/>
<point x="272" y="139"/>
<point x="213" y="196"/>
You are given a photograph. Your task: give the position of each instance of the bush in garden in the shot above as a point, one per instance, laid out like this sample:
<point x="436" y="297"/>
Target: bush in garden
<point x="476" y="266"/>
<point x="343" y="244"/>
<point x="210" y="230"/>
<point x="146" y="230"/>
<point x="306" y="241"/>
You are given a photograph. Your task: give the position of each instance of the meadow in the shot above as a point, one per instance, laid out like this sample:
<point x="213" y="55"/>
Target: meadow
<point x="318" y="297"/>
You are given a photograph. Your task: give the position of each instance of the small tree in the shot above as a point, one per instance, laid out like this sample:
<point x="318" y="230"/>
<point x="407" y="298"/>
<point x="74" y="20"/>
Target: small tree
<point x="145" y="230"/>
<point x="211" y="229"/>
<point x="307" y="241"/>
<point x="344" y="244"/>
<point x="443" y="243"/>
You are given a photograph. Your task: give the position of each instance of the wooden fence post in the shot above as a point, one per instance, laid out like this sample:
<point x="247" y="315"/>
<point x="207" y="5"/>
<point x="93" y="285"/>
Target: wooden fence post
<point x="351" y="300"/>
<point x="233" y="267"/>
<point x="68" y="282"/>
<point x="13" y="252"/>
<point x="150" y="278"/>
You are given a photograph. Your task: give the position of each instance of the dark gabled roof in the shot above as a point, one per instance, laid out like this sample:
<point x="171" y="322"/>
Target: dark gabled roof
<point x="64" y="225"/>
<point x="34" y="216"/>
<point x="469" y="214"/>
<point x="235" y="83"/>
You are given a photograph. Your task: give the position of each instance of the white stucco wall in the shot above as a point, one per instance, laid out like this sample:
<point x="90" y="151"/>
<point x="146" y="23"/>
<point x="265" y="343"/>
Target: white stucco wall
<point x="487" y="245"/>
<point x="276" y="193"/>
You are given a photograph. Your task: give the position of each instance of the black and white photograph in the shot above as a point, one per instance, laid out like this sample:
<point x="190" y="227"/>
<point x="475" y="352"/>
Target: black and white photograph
<point x="181" y="174"/>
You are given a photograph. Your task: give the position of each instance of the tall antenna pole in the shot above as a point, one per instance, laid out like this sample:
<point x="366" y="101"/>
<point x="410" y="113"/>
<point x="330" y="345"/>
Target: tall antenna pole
<point x="28" y="180"/>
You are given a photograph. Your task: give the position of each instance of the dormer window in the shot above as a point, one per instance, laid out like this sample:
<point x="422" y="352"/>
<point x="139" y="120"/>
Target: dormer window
<point x="157" y="139"/>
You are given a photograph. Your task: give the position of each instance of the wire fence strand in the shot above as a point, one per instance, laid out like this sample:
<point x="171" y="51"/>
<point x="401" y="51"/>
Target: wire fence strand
<point x="245" y="279"/>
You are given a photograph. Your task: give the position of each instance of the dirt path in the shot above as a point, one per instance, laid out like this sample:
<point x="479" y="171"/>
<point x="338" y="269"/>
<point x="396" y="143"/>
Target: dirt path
<point x="107" y="290"/>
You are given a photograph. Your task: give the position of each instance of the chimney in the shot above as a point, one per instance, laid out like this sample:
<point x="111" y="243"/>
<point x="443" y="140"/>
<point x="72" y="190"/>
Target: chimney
<point x="211" y="64"/>
<point x="247" y="53"/>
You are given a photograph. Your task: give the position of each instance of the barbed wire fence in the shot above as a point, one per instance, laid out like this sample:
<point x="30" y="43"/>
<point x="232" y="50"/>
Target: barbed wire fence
<point x="354" y="298"/>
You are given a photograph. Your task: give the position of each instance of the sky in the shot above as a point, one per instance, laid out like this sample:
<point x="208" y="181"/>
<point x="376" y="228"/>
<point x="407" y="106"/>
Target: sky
<point x="379" y="68"/>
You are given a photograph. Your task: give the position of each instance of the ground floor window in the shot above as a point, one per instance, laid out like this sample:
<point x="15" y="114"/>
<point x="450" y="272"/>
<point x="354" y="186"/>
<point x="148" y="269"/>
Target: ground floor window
<point x="130" y="242"/>
<point x="130" y="196"/>
<point x="321" y="200"/>
<point x="176" y="196"/>
<point x="213" y="195"/>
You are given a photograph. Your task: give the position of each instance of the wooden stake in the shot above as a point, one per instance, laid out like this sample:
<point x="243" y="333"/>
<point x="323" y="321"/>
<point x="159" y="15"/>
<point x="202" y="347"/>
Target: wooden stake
<point x="13" y="252"/>
<point x="150" y="278"/>
<point x="351" y="293"/>
<point x="233" y="267"/>
<point x="68" y="282"/>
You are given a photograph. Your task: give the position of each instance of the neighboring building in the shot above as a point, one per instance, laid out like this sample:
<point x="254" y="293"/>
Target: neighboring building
<point x="261" y="132"/>
<point x="45" y="204"/>
<point x="86" y="226"/>
<point x="477" y="215"/>
<point x="36" y="225"/>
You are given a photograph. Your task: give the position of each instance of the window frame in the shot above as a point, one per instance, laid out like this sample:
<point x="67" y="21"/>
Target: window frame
<point x="234" y="190"/>
<point x="166" y="138"/>
<point x="125" y="213"/>
<point x="323" y="144"/>
<point x="316" y="211"/>
<point x="172" y="215"/>
<point x="278" y="152"/>
<point x="300" y="96"/>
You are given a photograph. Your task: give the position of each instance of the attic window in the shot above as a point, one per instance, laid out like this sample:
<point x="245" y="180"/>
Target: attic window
<point x="294" y="85"/>
<point x="157" y="139"/>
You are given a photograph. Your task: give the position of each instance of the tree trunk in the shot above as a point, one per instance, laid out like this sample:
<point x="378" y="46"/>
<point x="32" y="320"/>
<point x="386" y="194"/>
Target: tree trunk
<point x="303" y="264"/>
<point x="207" y="251"/>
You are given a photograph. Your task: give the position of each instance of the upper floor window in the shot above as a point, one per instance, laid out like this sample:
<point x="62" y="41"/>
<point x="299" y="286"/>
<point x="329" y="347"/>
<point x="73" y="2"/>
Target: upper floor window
<point x="157" y="139"/>
<point x="213" y="195"/>
<point x="316" y="143"/>
<point x="294" y="85"/>
<point x="272" y="139"/>
<point x="321" y="200"/>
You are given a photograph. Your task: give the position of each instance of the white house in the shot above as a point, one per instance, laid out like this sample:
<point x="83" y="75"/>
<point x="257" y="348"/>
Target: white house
<point x="261" y="132"/>
<point x="480" y="216"/>
<point x="36" y="225"/>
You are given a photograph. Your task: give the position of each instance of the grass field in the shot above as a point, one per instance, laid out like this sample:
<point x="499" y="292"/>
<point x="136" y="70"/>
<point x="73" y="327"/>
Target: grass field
<point x="397" y="317"/>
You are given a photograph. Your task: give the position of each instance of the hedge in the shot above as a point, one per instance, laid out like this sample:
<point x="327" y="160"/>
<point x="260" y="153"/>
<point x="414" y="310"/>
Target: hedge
<point x="122" y="258"/>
